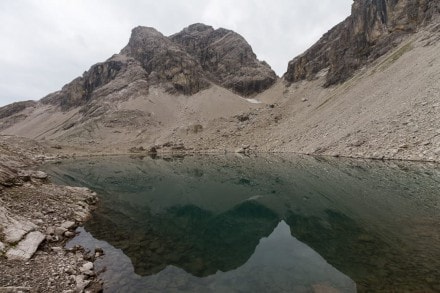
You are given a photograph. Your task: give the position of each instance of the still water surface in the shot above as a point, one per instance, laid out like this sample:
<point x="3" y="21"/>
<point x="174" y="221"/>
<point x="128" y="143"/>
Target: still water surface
<point x="261" y="224"/>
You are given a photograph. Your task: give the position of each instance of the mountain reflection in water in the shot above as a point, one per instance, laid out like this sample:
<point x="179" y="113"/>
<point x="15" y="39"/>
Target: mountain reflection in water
<point x="234" y="224"/>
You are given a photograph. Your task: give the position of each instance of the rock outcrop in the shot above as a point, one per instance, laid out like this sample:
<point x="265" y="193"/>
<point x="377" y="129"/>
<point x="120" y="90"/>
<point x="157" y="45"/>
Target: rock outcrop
<point x="100" y="80"/>
<point x="165" y="61"/>
<point x="227" y="57"/>
<point x="15" y="108"/>
<point x="11" y="113"/>
<point x="372" y="29"/>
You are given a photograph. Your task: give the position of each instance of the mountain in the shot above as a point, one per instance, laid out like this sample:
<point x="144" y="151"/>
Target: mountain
<point x="368" y="88"/>
<point x="373" y="29"/>
<point x="154" y="87"/>
<point x="185" y="63"/>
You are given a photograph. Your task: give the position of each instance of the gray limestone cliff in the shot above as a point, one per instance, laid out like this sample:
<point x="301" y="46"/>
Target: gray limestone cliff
<point x="227" y="58"/>
<point x="164" y="61"/>
<point x="372" y="29"/>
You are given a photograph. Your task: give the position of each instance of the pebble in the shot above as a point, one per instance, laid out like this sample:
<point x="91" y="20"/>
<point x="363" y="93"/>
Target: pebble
<point x="57" y="249"/>
<point x="38" y="222"/>
<point x="39" y="175"/>
<point x="68" y="225"/>
<point x="70" y="271"/>
<point x="87" y="266"/>
<point x="59" y="231"/>
<point x="69" y="234"/>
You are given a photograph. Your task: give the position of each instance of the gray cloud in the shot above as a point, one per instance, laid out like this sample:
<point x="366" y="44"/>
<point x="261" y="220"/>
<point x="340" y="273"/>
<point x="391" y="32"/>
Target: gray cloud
<point x="47" y="43"/>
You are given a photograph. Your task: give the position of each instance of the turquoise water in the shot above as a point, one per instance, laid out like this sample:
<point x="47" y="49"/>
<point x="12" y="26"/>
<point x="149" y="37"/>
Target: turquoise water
<point x="261" y="224"/>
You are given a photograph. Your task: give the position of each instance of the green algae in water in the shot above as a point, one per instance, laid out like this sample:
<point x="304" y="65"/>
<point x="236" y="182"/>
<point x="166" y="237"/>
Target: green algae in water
<point x="263" y="224"/>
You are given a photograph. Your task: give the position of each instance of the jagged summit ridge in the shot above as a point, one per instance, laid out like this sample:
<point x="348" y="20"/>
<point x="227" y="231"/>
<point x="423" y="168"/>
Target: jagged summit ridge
<point x="164" y="61"/>
<point x="227" y="57"/>
<point x="185" y="63"/>
<point x="372" y="29"/>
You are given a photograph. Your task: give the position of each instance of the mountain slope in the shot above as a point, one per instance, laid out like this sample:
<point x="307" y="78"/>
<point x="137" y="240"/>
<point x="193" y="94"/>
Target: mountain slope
<point x="389" y="109"/>
<point x="384" y="106"/>
<point x="369" y="88"/>
<point x="155" y="86"/>
<point x="373" y="28"/>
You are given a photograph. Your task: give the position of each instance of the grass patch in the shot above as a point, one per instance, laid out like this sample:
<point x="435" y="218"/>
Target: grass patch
<point x="394" y="57"/>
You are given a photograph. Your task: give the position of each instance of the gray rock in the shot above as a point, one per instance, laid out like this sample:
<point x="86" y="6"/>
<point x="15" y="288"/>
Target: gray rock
<point x="80" y="216"/>
<point x="165" y="61"/>
<point x="50" y="231"/>
<point x="26" y="248"/>
<point x="39" y="175"/>
<point x="69" y="234"/>
<point x="57" y="249"/>
<point x="13" y="228"/>
<point x="370" y="31"/>
<point x="88" y="266"/>
<point x="59" y="231"/>
<point x="8" y="174"/>
<point x="2" y="247"/>
<point x="26" y="175"/>
<point x="15" y="108"/>
<point x="81" y="284"/>
<point x="240" y="150"/>
<point x="226" y="58"/>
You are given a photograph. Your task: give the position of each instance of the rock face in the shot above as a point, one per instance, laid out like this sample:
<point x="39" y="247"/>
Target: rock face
<point x="184" y="63"/>
<point x="227" y="57"/>
<point x="372" y="29"/>
<point x="165" y="61"/>
<point x="100" y="80"/>
<point x="14" y="110"/>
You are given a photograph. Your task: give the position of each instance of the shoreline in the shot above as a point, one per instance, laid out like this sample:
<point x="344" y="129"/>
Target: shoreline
<point x="91" y="154"/>
<point x="28" y="199"/>
<point x="37" y="219"/>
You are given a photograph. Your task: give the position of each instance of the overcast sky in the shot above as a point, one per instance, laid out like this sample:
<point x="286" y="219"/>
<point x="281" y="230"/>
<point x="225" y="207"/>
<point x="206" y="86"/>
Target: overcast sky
<point x="47" y="43"/>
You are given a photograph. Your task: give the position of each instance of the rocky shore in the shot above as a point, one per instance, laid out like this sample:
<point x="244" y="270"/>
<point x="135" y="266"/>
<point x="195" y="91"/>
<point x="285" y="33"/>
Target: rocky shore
<point x="37" y="218"/>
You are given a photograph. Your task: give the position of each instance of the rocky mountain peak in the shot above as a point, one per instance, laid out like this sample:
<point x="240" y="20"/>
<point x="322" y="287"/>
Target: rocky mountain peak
<point x="186" y="63"/>
<point x="200" y="54"/>
<point x="165" y="61"/>
<point x="198" y="28"/>
<point x="373" y="27"/>
<point x="227" y="58"/>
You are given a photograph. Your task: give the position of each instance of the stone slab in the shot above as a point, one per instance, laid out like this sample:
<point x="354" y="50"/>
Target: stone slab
<point x="27" y="247"/>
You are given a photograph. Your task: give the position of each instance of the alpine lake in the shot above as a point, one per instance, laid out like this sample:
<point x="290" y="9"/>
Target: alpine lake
<point x="270" y="223"/>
